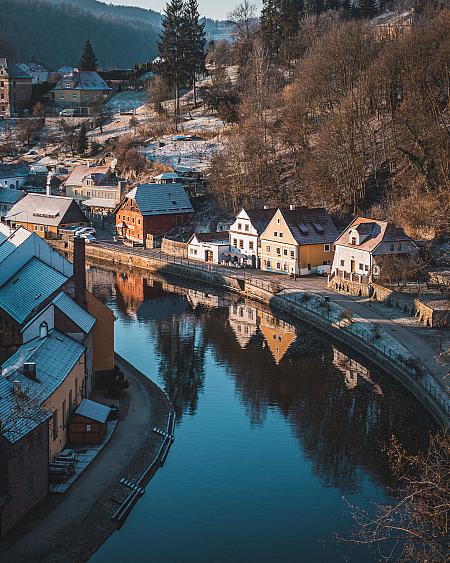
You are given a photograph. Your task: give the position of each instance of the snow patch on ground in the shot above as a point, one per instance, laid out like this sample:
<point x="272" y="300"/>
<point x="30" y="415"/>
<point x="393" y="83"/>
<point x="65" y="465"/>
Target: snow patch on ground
<point x="191" y="154"/>
<point x="126" y="101"/>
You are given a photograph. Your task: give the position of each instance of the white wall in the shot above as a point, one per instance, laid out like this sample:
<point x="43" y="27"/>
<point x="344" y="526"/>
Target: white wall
<point x="239" y="236"/>
<point x="13" y="183"/>
<point x="197" y="251"/>
<point x="32" y="330"/>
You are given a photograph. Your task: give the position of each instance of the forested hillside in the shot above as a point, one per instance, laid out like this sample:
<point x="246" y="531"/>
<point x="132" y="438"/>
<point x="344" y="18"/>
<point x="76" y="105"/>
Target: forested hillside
<point x="336" y="111"/>
<point x="54" y="34"/>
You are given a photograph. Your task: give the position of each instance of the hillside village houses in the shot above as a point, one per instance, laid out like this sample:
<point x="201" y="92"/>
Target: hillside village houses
<point x="365" y="240"/>
<point x="152" y="210"/>
<point x="15" y="89"/>
<point x="298" y="241"/>
<point x="13" y="176"/>
<point x="8" y="198"/>
<point x="46" y="214"/>
<point x="49" y="350"/>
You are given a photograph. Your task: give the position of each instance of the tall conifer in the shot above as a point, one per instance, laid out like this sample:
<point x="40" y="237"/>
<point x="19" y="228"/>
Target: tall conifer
<point x="367" y="8"/>
<point x="195" y="43"/>
<point x="171" y="47"/>
<point x="88" y="59"/>
<point x="270" y="27"/>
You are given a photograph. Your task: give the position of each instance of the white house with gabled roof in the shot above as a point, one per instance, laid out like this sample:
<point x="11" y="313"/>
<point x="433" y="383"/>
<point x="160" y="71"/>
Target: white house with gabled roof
<point x="245" y="232"/>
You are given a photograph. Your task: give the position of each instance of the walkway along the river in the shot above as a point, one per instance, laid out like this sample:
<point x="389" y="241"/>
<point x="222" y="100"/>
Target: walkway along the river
<point x="394" y="346"/>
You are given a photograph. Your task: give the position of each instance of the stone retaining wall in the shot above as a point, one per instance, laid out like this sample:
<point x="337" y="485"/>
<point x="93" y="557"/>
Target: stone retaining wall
<point x="174" y="248"/>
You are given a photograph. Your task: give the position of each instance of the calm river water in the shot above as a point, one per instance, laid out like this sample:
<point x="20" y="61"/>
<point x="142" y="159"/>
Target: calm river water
<point x="276" y="428"/>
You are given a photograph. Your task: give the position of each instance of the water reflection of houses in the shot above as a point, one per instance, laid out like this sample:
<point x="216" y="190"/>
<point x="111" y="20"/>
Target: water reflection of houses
<point x="353" y="372"/>
<point x="243" y="320"/>
<point x="279" y="335"/>
<point x="199" y="298"/>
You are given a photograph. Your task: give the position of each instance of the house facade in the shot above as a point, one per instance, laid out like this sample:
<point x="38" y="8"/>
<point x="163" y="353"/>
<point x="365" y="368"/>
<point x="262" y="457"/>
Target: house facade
<point x="245" y="233"/>
<point x="8" y="198"/>
<point x="298" y="241"/>
<point x="365" y="240"/>
<point x="13" y="176"/>
<point x="46" y="214"/>
<point x="15" y="89"/>
<point x="152" y="210"/>
<point x="208" y="247"/>
<point x="80" y="88"/>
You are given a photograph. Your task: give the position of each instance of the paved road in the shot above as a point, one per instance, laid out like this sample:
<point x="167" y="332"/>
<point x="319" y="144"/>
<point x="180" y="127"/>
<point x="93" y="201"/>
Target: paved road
<point x="107" y="468"/>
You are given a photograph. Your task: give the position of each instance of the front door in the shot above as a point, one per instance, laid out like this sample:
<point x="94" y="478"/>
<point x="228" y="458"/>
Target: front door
<point x="209" y="257"/>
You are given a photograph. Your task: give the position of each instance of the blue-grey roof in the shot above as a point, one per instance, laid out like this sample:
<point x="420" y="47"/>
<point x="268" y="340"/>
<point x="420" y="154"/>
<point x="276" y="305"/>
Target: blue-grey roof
<point x="13" y="171"/>
<point x="11" y="239"/>
<point x="82" y="80"/>
<point x="18" y="412"/>
<point x="75" y="313"/>
<point x="55" y="356"/>
<point x="28" y="288"/>
<point x="13" y="70"/>
<point x="161" y="199"/>
<point x="92" y="410"/>
<point x="10" y="196"/>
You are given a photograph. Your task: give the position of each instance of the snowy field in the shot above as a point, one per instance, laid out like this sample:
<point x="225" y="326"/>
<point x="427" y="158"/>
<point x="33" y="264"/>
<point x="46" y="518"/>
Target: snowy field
<point x="126" y="101"/>
<point x="191" y="154"/>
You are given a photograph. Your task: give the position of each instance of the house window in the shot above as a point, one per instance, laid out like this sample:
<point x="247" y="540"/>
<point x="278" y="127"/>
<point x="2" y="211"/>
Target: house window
<point x="267" y="248"/>
<point x="361" y="267"/>
<point x="285" y="252"/>
<point x="366" y="268"/>
<point x="239" y="226"/>
<point x="241" y="244"/>
<point x="279" y="251"/>
<point x="278" y="266"/>
<point x="391" y="248"/>
<point x="292" y="254"/>
<point x="353" y="240"/>
<point x="326" y="248"/>
<point x="247" y="228"/>
<point x="62" y="97"/>
<point x="285" y="267"/>
<point x="268" y="263"/>
<point x="342" y="263"/>
<point x="275" y="234"/>
<point x="36" y="227"/>
<point x="42" y="227"/>
<point x="64" y="414"/>
<point x="250" y="245"/>
<point x="88" y="427"/>
<point x="278" y="221"/>
<point x="195" y="251"/>
<point x="281" y="235"/>
<point x="55" y="424"/>
<point x="235" y="242"/>
<point x="399" y="246"/>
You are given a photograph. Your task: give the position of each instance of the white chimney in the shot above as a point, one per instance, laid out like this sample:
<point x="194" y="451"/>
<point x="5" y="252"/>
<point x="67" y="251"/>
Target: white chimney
<point x="49" y="181"/>
<point x="266" y="207"/>
<point x="43" y="330"/>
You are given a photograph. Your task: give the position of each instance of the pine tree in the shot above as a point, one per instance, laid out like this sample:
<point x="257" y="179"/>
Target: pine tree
<point x="171" y="47"/>
<point x="195" y="44"/>
<point x="346" y="7"/>
<point x="88" y="59"/>
<point x="290" y="13"/>
<point x="270" y="27"/>
<point x="314" y="7"/>
<point x="367" y="8"/>
<point x="82" y="140"/>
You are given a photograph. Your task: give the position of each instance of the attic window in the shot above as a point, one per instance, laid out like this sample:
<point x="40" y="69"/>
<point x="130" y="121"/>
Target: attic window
<point x="318" y="227"/>
<point x="303" y="228"/>
<point x="174" y="202"/>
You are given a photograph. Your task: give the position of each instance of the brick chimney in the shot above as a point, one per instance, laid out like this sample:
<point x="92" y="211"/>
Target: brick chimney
<point x="79" y="271"/>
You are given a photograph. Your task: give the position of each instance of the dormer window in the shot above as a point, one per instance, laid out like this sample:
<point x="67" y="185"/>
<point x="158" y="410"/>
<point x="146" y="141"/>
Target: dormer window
<point x="353" y="241"/>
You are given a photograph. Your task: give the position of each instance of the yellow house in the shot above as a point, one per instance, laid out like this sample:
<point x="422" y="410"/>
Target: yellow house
<point x="298" y="241"/>
<point x="80" y="88"/>
<point x="50" y="371"/>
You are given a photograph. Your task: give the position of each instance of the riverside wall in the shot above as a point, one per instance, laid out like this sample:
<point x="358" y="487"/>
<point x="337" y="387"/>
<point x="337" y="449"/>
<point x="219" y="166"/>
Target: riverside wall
<point x="267" y="293"/>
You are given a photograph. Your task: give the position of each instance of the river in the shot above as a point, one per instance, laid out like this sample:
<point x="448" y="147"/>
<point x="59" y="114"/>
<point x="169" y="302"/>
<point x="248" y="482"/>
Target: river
<point x="277" y="429"/>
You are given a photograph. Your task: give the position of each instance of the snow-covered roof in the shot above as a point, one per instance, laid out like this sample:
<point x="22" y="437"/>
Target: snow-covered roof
<point x="82" y="80"/>
<point x="92" y="410"/>
<point x="101" y="202"/>
<point x="46" y="210"/>
<point x="74" y="312"/>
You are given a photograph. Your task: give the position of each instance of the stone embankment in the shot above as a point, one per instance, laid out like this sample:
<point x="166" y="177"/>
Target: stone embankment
<point x="364" y="337"/>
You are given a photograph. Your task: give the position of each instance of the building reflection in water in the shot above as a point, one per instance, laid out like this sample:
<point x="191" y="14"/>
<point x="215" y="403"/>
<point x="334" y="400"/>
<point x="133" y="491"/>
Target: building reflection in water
<point x="341" y="412"/>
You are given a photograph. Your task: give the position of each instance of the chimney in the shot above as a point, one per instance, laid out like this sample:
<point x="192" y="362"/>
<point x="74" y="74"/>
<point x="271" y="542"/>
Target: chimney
<point x="292" y="207"/>
<point x="266" y="207"/>
<point x="79" y="271"/>
<point x="43" y="330"/>
<point x="16" y="388"/>
<point x="29" y="370"/>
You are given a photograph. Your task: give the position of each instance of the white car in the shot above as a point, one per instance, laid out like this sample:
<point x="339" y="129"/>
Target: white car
<point x="86" y="231"/>
<point x="88" y="238"/>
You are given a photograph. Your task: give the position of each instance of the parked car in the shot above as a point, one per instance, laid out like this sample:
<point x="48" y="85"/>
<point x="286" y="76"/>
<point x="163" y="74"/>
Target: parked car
<point x="88" y="238"/>
<point x="86" y="231"/>
<point x="70" y="112"/>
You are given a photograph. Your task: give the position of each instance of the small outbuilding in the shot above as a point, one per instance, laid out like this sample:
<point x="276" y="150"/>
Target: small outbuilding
<point x="89" y="423"/>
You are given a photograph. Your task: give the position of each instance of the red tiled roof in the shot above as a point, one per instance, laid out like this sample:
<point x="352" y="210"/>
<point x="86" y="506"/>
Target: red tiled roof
<point x="373" y="232"/>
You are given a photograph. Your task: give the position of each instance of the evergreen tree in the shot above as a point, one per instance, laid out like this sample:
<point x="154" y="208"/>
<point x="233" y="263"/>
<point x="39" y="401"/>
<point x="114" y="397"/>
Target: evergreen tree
<point x="346" y="7"/>
<point x="82" y="140"/>
<point x="332" y="4"/>
<point x="270" y="27"/>
<point x="367" y="8"/>
<point x="88" y="59"/>
<point x="171" y="47"/>
<point x="195" y="44"/>
<point x="314" y="7"/>
<point x="290" y="13"/>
